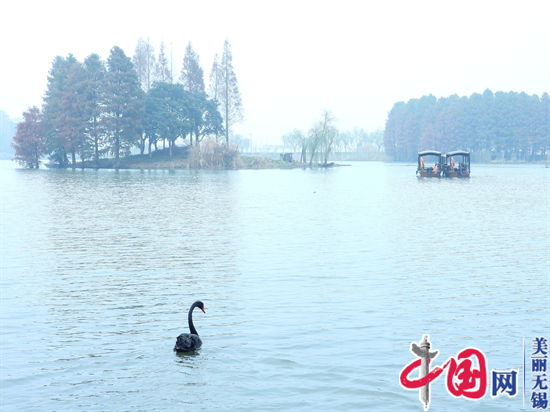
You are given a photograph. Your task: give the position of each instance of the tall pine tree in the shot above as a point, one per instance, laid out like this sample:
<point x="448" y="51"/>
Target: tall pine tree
<point x="214" y="79"/>
<point x="72" y="118"/>
<point x="95" y="102"/>
<point x="231" y="106"/>
<point x="163" y="73"/>
<point x="52" y="111"/>
<point x="192" y="75"/>
<point x="214" y="83"/>
<point x="124" y="104"/>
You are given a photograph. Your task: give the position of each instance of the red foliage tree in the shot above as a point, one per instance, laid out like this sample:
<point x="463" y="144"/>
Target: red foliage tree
<point x="28" y="141"/>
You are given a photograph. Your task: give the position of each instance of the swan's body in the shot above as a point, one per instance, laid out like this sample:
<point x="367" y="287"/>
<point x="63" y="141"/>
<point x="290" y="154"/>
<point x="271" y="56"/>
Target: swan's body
<point x="189" y="342"/>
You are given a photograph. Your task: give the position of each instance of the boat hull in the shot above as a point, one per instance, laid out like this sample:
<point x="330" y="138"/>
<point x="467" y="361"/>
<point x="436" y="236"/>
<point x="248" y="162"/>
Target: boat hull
<point x="428" y="174"/>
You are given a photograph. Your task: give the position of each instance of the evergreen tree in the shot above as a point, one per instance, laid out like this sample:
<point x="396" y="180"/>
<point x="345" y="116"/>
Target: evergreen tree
<point x="229" y="96"/>
<point x="170" y="113"/>
<point x="542" y="126"/>
<point x="7" y="131"/>
<point x="124" y="104"/>
<point x="192" y="75"/>
<point x="72" y="118"/>
<point x="207" y="120"/>
<point x="28" y="141"/>
<point x="52" y="111"/>
<point x="94" y="90"/>
<point x="507" y="126"/>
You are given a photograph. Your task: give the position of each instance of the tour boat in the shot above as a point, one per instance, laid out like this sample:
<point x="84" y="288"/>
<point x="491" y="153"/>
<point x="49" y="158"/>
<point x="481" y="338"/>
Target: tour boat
<point x="448" y="166"/>
<point x="424" y="171"/>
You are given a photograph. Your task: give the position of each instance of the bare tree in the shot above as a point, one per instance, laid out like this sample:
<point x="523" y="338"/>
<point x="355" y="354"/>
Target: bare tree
<point x="231" y="106"/>
<point x="214" y="82"/>
<point x="214" y="79"/>
<point x="293" y="139"/>
<point x="163" y="72"/>
<point x="144" y="63"/>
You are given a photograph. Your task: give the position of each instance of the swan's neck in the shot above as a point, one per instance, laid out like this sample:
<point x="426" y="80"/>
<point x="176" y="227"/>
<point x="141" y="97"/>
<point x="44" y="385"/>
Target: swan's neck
<point x="190" y="320"/>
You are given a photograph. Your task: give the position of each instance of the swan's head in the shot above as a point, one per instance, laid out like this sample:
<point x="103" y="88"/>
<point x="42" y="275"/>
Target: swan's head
<point x="199" y="304"/>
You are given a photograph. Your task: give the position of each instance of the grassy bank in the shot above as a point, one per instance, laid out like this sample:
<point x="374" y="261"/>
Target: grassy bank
<point x="161" y="159"/>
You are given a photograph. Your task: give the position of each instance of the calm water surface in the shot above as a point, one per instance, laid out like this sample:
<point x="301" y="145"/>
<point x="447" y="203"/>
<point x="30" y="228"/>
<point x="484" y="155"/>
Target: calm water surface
<point x="315" y="284"/>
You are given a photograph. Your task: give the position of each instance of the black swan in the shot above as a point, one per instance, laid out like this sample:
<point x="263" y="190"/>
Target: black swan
<point x="189" y="342"/>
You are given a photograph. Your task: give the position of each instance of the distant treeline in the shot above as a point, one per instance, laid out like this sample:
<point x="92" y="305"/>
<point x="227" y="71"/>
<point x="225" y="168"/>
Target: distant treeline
<point x="7" y="131"/>
<point x="95" y="109"/>
<point x="507" y="126"/>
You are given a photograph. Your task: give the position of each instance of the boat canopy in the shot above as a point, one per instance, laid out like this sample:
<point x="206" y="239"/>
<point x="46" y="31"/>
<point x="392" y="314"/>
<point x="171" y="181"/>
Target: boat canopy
<point x="429" y="153"/>
<point x="458" y="153"/>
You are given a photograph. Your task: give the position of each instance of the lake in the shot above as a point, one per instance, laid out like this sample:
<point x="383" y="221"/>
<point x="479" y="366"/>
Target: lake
<point x="315" y="284"/>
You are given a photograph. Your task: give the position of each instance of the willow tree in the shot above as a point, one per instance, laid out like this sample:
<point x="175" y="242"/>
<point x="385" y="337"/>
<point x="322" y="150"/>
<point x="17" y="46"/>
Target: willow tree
<point x="322" y="136"/>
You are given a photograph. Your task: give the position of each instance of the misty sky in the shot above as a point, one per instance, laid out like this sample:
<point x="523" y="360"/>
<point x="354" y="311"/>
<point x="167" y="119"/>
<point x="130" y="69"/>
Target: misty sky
<point x="295" y="58"/>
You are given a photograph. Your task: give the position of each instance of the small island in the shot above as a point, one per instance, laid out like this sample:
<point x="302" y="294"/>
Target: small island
<point x="181" y="158"/>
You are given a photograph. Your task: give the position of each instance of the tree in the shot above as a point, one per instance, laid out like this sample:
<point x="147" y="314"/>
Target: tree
<point x="52" y="111"/>
<point x="241" y="141"/>
<point x="293" y="139"/>
<point x="192" y="75"/>
<point x="229" y="96"/>
<point x="7" y="131"/>
<point x="169" y="113"/>
<point x="163" y="72"/>
<point x="329" y="135"/>
<point x="322" y="136"/>
<point x="377" y="138"/>
<point x="124" y="104"/>
<point x="28" y="141"/>
<point x="214" y="82"/>
<point x="207" y="120"/>
<point x="541" y="126"/>
<point x="501" y="124"/>
<point x="144" y="63"/>
<point x="214" y="79"/>
<point x="286" y="140"/>
<point x="72" y="118"/>
<point x="345" y="138"/>
<point x="94" y="90"/>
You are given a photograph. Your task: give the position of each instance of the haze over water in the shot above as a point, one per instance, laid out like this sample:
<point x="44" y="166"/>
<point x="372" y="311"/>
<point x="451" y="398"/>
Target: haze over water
<point x="315" y="283"/>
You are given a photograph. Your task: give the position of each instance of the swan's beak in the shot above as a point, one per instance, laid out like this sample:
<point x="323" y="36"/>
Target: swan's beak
<point x="203" y="310"/>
